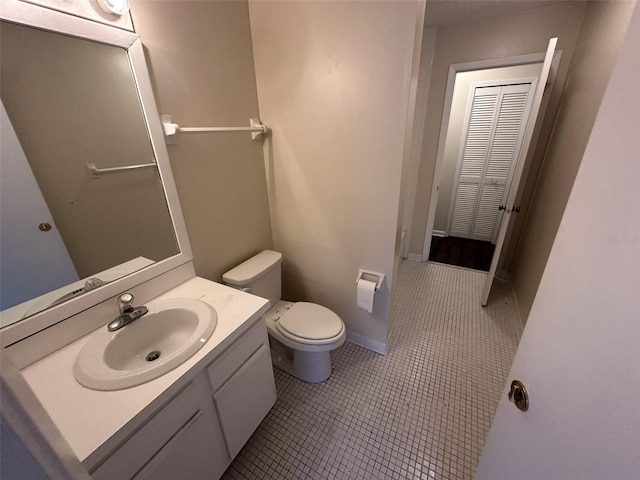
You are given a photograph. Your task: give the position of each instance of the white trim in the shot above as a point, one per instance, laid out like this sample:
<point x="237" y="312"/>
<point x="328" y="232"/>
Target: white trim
<point x="414" y="257"/>
<point x="454" y="69"/>
<point x="45" y="18"/>
<point x="366" y="342"/>
<point x="143" y="80"/>
<point x="439" y="233"/>
<point x="89" y="9"/>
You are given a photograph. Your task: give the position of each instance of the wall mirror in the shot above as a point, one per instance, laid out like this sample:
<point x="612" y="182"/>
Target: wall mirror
<point x="89" y="206"/>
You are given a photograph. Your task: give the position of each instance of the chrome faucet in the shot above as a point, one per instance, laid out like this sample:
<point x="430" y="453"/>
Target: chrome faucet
<point x="128" y="313"/>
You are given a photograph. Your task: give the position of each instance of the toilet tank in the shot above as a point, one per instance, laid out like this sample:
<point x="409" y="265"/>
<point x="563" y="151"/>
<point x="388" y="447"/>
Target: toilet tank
<point x="259" y="275"/>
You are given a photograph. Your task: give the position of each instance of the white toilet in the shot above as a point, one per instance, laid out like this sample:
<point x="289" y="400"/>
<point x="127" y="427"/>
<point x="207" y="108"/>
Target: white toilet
<point x="301" y="334"/>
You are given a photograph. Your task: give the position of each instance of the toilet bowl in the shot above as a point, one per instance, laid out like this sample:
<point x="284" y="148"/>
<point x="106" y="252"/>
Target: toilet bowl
<point x="308" y="332"/>
<point x="301" y="334"/>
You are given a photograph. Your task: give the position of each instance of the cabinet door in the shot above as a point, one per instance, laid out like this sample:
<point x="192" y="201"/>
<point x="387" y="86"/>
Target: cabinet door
<point x="495" y="127"/>
<point x="183" y="436"/>
<point x="196" y="452"/>
<point x="245" y="399"/>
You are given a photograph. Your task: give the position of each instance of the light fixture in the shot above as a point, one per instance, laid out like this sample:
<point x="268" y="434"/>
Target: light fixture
<point x="119" y="7"/>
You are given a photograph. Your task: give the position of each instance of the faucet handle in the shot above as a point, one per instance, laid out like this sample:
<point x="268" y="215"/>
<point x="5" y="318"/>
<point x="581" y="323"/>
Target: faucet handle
<point x="125" y="302"/>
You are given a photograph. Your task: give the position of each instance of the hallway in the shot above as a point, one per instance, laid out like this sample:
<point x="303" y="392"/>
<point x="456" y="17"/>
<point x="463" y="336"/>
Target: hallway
<point x="422" y="411"/>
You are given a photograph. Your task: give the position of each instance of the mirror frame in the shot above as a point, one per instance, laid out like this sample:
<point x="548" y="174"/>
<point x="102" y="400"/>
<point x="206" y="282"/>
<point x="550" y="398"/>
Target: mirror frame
<point x="34" y="16"/>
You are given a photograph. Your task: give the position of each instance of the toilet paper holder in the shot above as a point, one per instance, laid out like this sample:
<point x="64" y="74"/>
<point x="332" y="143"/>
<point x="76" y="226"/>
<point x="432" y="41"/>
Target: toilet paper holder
<point x="372" y="277"/>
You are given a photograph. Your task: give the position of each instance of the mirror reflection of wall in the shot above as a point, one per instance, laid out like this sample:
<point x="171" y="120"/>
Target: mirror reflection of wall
<point x="73" y="102"/>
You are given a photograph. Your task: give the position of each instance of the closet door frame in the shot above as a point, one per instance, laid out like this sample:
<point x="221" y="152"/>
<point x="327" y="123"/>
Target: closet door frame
<point x="454" y="69"/>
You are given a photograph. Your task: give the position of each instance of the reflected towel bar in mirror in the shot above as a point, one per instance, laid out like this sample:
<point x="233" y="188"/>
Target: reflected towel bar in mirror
<point x="171" y="129"/>
<point x="95" y="172"/>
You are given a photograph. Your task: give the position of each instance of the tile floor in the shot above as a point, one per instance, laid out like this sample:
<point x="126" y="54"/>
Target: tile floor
<point x="422" y="411"/>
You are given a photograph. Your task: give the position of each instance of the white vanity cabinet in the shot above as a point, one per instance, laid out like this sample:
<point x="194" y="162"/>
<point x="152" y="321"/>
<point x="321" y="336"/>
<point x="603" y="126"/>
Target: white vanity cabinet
<point x="198" y="431"/>
<point x="244" y="389"/>
<point x="184" y="434"/>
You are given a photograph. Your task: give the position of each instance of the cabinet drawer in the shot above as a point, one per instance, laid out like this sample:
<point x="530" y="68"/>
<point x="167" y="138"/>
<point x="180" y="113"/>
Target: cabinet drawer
<point x="134" y="454"/>
<point x="232" y="358"/>
<point x="245" y="399"/>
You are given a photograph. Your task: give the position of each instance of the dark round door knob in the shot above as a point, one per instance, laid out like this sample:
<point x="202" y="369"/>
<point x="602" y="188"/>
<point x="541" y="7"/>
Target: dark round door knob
<point x="518" y="395"/>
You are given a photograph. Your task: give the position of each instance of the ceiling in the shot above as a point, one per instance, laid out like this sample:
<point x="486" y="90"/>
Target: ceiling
<point x="446" y="12"/>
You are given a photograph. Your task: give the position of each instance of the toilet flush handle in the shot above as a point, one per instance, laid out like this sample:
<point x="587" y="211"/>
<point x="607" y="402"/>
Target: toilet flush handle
<point x="247" y="289"/>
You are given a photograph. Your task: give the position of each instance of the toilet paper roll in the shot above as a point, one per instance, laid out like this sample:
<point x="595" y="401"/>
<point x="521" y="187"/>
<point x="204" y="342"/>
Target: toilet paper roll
<point x="366" y="293"/>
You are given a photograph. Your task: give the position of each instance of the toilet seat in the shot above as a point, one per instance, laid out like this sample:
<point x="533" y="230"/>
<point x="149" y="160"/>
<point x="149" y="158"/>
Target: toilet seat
<point x="311" y="324"/>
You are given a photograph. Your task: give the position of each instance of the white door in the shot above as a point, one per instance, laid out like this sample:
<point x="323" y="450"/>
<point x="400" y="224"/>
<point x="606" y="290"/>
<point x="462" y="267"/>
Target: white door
<point x="519" y="166"/>
<point x="33" y="261"/>
<point x="494" y="128"/>
<point x="579" y="357"/>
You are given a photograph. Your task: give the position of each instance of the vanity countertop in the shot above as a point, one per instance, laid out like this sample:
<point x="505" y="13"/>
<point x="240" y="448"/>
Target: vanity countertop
<point x="89" y="418"/>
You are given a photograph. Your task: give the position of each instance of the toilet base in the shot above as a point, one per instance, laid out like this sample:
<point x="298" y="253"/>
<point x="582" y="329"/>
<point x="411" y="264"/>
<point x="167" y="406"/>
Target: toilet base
<point x="312" y="367"/>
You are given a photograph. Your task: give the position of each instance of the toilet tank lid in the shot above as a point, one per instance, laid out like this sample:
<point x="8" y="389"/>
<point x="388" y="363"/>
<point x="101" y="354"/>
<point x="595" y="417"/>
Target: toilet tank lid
<point x="253" y="268"/>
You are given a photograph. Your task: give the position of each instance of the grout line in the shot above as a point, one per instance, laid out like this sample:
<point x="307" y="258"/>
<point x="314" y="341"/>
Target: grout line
<point x="422" y="411"/>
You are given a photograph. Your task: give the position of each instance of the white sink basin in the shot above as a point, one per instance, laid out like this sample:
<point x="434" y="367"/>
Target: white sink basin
<point x="170" y="333"/>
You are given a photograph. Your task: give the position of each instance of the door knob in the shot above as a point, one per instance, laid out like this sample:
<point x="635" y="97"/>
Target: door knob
<point x="518" y="395"/>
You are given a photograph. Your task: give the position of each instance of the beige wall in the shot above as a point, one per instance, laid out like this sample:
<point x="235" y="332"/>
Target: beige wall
<point x="74" y="102"/>
<point x="596" y="51"/>
<point x="412" y="162"/>
<point x="496" y="37"/>
<point x="459" y="105"/>
<point x="582" y="337"/>
<point x="201" y="63"/>
<point x="333" y="83"/>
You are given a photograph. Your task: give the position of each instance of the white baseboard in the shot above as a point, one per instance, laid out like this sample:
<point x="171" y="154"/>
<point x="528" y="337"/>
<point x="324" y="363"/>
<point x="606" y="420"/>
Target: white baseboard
<point x="368" y="343"/>
<point x="416" y="257"/>
<point x="438" y="233"/>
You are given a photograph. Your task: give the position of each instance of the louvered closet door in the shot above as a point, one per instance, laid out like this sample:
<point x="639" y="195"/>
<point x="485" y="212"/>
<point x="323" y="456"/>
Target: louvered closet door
<point x="494" y="130"/>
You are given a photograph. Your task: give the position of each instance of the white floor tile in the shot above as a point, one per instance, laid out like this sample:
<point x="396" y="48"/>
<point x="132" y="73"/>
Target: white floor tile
<point x="422" y="411"/>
